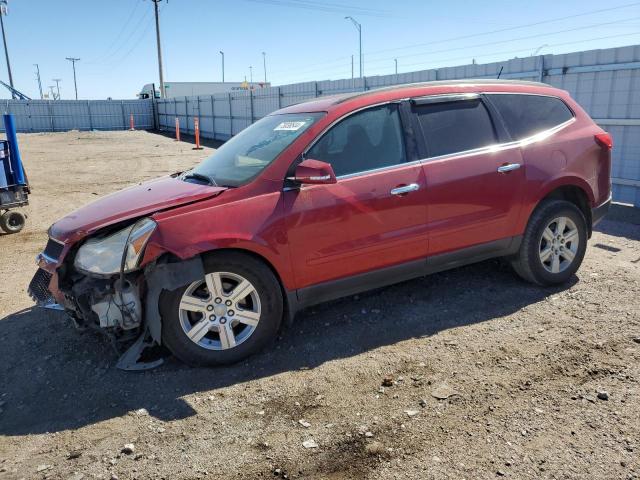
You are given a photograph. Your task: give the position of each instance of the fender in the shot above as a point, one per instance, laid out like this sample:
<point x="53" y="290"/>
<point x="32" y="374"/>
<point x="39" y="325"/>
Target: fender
<point x="281" y="268"/>
<point x="532" y="202"/>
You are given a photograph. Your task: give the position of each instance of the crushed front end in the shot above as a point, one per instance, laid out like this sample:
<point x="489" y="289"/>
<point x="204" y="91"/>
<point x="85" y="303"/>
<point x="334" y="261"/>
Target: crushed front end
<point x="99" y="283"/>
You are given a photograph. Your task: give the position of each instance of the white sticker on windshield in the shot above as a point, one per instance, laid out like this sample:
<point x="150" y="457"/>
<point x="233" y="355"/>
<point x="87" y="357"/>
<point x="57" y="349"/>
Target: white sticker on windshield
<point x="291" y="126"/>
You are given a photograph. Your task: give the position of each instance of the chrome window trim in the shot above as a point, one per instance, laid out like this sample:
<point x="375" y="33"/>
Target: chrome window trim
<point x="498" y="147"/>
<point x="446" y="97"/>
<point x="379" y="169"/>
<point x="534" y="95"/>
<point x="465" y="153"/>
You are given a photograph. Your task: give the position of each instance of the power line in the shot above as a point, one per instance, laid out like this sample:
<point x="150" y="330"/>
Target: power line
<point x="516" y="51"/>
<point x="126" y="42"/>
<point x="324" y="7"/>
<point x="118" y="37"/>
<point x="143" y="33"/>
<point x="463" y="37"/>
<point x="508" y="29"/>
<point x="498" y="42"/>
<point x="465" y="47"/>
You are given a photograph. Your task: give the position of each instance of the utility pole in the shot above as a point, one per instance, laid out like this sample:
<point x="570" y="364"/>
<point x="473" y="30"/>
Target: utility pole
<point x="3" y="13"/>
<point x="57" y="80"/>
<point x="39" y="81"/>
<point x="75" y="83"/>
<point x="155" y="5"/>
<point x="359" y="28"/>
<point x="222" y="53"/>
<point x="264" y="63"/>
<point x="396" y="60"/>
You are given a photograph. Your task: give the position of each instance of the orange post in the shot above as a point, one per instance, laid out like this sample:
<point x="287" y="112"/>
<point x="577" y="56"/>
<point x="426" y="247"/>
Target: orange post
<point x="177" y="129"/>
<point x="196" y="127"/>
<point x="131" y="122"/>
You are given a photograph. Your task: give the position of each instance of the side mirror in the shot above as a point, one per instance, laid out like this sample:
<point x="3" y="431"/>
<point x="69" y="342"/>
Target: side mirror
<point x="314" y="172"/>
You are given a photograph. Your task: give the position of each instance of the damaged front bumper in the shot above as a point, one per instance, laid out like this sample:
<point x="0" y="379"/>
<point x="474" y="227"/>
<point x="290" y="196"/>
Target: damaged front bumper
<point x="112" y="304"/>
<point x="124" y="308"/>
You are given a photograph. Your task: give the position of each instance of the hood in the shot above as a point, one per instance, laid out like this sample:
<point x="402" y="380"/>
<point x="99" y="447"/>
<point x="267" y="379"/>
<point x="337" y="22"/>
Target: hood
<point x="132" y="202"/>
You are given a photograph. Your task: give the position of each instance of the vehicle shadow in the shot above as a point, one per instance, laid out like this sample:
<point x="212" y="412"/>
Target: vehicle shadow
<point x="54" y="379"/>
<point x="189" y="138"/>
<point x="621" y="221"/>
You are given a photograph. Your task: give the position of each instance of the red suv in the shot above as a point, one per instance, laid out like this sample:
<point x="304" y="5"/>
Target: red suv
<point x="328" y="198"/>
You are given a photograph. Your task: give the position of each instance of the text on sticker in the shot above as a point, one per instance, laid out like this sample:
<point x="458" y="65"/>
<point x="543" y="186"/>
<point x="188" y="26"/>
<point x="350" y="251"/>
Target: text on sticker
<point x="289" y="126"/>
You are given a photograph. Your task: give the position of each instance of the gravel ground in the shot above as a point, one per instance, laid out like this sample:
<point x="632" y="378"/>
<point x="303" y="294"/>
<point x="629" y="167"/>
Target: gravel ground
<point x="469" y="373"/>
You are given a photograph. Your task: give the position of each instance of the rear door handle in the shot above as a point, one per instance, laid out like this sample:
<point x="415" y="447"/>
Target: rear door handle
<point x="412" y="187"/>
<point x="508" y="167"/>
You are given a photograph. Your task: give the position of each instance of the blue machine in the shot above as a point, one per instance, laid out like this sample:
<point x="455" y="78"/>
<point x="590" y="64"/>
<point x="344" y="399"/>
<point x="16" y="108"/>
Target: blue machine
<point x="14" y="187"/>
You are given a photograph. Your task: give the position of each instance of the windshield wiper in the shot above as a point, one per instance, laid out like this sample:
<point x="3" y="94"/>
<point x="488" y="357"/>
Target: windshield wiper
<point x="199" y="176"/>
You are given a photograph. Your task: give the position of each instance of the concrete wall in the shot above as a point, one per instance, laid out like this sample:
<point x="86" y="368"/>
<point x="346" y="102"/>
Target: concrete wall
<point x="605" y="82"/>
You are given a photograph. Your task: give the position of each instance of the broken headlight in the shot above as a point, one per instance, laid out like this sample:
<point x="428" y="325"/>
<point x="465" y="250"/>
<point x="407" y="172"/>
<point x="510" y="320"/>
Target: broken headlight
<point x="104" y="255"/>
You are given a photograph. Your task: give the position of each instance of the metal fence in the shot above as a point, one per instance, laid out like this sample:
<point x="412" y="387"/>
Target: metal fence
<point x="605" y="82"/>
<point x="63" y="115"/>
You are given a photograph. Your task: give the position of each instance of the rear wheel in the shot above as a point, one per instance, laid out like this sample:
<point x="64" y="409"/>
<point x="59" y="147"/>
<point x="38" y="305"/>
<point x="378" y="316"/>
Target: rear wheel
<point x="231" y="313"/>
<point x="12" y="221"/>
<point x="553" y="245"/>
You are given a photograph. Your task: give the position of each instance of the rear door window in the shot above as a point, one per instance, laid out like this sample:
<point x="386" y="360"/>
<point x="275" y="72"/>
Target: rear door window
<point x="455" y="126"/>
<point x="366" y="140"/>
<point x="525" y="115"/>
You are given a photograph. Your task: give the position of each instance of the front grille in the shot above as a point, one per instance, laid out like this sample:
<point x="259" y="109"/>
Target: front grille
<point x="39" y="288"/>
<point x="53" y="249"/>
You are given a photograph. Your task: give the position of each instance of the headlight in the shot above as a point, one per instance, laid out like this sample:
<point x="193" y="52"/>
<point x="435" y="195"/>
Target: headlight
<point x="104" y="255"/>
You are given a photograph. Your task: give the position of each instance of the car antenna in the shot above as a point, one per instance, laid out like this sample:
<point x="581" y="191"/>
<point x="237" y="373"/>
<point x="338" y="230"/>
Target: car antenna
<point x="500" y="72"/>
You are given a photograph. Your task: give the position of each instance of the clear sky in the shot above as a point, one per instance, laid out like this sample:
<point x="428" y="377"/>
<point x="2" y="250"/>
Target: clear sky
<point x="303" y="39"/>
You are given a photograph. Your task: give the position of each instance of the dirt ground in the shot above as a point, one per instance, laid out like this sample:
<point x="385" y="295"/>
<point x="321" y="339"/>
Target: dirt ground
<point x="488" y="377"/>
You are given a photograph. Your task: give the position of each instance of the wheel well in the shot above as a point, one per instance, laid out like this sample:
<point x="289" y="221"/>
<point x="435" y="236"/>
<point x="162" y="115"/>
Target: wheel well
<point x="290" y="309"/>
<point x="575" y="195"/>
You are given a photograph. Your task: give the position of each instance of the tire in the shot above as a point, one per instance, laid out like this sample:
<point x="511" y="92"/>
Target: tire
<point x="12" y="221"/>
<point x="533" y="262"/>
<point x="235" y="340"/>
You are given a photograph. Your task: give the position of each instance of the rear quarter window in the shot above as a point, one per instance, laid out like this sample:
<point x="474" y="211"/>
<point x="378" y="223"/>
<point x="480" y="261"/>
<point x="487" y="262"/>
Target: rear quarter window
<point x="525" y="115"/>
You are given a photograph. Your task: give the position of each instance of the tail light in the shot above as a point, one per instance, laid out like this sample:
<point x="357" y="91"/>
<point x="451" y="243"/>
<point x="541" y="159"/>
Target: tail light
<point x="604" y="140"/>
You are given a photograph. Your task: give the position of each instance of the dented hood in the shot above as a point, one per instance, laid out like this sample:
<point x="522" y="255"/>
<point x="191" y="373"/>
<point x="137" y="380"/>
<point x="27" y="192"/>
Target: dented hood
<point x="139" y="200"/>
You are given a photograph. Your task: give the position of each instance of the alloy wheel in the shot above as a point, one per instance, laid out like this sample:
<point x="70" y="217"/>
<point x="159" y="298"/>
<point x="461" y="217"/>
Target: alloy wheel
<point x="559" y="244"/>
<point x="220" y="311"/>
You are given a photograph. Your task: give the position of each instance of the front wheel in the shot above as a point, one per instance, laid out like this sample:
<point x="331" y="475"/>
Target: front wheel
<point x="231" y="313"/>
<point x="553" y="245"/>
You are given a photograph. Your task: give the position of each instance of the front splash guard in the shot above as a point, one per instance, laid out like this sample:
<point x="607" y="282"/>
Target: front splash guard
<point x="131" y="360"/>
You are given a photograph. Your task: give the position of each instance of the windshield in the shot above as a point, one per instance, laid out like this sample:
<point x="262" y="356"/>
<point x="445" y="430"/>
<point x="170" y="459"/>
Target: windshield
<point x="247" y="154"/>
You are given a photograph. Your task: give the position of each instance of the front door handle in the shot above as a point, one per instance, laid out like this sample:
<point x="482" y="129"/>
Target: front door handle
<point x="508" y="167"/>
<point x="412" y="187"/>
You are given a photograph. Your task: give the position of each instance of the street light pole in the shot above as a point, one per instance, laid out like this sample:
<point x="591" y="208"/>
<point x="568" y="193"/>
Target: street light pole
<point x="396" y="60"/>
<point x="75" y="83"/>
<point x="250" y="74"/>
<point x="359" y="28"/>
<point x="222" y="53"/>
<point x="155" y="5"/>
<point x="57" y="80"/>
<point x="39" y="81"/>
<point x="264" y="63"/>
<point x="3" y="12"/>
